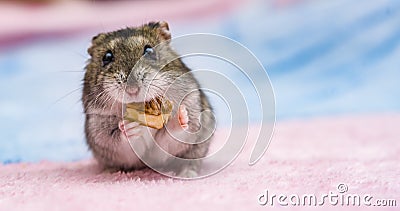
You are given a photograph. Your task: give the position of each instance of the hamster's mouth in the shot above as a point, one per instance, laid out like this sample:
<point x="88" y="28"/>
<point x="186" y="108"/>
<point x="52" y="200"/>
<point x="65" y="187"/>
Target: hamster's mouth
<point x="131" y="90"/>
<point x="131" y="94"/>
<point x="131" y="97"/>
<point x="136" y="96"/>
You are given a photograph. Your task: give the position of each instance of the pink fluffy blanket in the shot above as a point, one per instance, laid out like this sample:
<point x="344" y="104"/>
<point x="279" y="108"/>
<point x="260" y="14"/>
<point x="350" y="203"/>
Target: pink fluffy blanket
<point x="311" y="156"/>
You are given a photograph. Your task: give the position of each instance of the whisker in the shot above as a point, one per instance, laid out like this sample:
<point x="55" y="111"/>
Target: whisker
<point x="63" y="97"/>
<point x="109" y="98"/>
<point x="97" y="98"/>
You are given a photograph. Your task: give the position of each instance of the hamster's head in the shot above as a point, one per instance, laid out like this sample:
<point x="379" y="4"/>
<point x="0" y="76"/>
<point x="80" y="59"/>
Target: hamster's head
<point x="125" y="65"/>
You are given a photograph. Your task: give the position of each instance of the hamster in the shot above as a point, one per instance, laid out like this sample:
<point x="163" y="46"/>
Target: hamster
<point x="113" y="56"/>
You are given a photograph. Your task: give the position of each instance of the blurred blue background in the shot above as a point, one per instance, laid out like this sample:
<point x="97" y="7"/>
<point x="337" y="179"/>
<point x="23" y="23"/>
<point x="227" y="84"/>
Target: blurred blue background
<point x="324" y="58"/>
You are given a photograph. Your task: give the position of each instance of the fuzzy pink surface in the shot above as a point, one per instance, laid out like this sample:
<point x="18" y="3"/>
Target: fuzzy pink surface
<point x="308" y="156"/>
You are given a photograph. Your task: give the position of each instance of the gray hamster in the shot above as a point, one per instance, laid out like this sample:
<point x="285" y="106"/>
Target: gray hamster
<point x="113" y="56"/>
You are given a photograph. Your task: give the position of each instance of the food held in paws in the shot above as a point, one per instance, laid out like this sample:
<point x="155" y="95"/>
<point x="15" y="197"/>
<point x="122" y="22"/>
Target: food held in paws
<point x="154" y="113"/>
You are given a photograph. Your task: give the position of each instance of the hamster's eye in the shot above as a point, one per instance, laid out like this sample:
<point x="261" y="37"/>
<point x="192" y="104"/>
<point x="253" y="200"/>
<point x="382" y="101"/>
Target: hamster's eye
<point x="148" y="50"/>
<point x="108" y="58"/>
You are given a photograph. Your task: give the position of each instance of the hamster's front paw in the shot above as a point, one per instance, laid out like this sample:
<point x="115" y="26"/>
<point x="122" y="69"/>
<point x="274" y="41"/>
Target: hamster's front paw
<point x="183" y="117"/>
<point x="180" y="122"/>
<point x="129" y="129"/>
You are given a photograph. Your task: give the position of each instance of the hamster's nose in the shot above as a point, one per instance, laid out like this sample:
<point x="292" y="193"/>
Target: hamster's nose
<point x="131" y="89"/>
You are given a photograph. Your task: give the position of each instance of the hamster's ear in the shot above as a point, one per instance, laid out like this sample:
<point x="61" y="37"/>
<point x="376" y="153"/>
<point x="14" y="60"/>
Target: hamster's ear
<point x="99" y="36"/>
<point x="95" y="40"/>
<point x="162" y="29"/>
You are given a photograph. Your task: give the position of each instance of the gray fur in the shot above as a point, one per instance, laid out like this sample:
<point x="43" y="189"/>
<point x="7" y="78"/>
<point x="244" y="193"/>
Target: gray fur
<point x="104" y="87"/>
